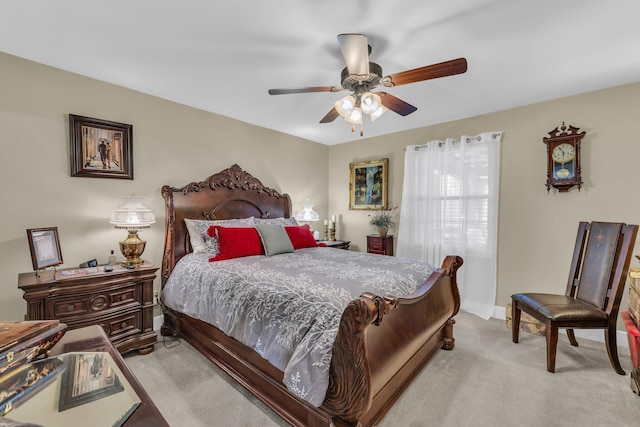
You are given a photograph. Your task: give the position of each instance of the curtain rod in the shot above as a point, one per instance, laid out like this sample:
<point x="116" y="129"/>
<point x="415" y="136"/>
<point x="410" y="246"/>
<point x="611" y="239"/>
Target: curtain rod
<point x="467" y="140"/>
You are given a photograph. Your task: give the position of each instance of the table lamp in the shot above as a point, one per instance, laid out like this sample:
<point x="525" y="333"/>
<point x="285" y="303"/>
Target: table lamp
<point x="307" y="215"/>
<point x="133" y="216"/>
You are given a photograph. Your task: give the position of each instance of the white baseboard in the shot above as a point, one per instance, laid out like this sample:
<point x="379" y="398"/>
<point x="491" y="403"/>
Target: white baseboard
<point x="157" y="323"/>
<point x="499" y="312"/>
<point x="588" y="334"/>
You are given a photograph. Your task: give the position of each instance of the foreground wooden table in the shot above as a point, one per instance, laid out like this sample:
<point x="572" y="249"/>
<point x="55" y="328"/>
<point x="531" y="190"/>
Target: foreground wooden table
<point x="93" y="338"/>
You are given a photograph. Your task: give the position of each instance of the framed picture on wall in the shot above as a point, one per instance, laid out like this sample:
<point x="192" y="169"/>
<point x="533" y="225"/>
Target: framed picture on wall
<point x="100" y="148"/>
<point x="45" y="247"/>
<point x="368" y="185"/>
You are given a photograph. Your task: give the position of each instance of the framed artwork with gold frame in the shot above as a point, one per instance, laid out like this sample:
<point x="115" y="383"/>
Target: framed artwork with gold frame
<point x="368" y="182"/>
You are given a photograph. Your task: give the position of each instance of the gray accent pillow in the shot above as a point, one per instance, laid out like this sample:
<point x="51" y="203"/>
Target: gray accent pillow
<point x="275" y="239"/>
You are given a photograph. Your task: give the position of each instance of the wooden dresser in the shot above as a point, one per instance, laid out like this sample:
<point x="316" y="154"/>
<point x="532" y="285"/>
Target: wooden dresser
<point x="120" y="301"/>
<point x="380" y="245"/>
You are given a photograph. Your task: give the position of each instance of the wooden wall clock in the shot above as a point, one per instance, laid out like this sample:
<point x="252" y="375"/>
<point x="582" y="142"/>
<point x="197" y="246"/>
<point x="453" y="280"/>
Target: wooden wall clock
<point x="563" y="158"/>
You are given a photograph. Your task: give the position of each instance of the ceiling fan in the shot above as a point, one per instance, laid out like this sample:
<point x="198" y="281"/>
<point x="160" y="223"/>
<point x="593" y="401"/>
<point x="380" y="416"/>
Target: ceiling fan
<point x="361" y="76"/>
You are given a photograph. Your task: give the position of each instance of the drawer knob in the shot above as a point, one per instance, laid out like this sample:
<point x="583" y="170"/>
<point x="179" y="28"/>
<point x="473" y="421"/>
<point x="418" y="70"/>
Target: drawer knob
<point x="70" y="307"/>
<point x="123" y="297"/>
<point x="123" y="324"/>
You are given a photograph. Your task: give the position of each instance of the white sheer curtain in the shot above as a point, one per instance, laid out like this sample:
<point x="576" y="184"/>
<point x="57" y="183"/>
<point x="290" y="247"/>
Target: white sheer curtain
<point x="450" y="206"/>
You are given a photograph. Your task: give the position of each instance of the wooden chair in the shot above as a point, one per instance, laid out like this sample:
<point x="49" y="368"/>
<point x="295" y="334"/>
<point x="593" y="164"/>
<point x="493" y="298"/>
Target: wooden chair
<point x="596" y="284"/>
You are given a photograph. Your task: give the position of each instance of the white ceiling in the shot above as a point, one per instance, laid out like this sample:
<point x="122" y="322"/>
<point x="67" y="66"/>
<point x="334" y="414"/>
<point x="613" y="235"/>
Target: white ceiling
<point x="222" y="57"/>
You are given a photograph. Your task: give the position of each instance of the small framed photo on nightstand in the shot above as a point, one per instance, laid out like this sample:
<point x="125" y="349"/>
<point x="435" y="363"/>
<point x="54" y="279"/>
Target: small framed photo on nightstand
<point x="45" y="247"/>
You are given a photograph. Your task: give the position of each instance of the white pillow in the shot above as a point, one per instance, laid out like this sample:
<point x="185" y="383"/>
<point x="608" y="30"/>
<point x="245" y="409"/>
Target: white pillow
<point x="200" y="240"/>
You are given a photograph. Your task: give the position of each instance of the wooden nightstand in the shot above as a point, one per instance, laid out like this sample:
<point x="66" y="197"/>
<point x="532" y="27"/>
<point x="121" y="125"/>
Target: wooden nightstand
<point x="120" y="301"/>
<point x="338" y="244"/>
<point x="380" y="245"/>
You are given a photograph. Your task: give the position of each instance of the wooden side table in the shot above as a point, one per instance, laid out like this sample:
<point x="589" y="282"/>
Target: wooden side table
<point x="120" y="301"/>
<point x="380" y="245"/>
<point x="338" y="244"/>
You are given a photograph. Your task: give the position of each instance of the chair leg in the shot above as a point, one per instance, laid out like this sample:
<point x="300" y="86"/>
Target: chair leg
<point x="552" y="344"/>
<point x="515" y="322"/>
<point x="572" y="337"/>
<point x="612" y="348"/>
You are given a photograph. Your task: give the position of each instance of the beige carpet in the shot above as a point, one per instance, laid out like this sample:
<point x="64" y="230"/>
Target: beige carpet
<point x="486" y="380"/>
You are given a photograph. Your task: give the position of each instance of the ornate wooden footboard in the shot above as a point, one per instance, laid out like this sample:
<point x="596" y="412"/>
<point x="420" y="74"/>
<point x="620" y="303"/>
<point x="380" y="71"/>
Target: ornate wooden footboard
<point x="382" y="343"/>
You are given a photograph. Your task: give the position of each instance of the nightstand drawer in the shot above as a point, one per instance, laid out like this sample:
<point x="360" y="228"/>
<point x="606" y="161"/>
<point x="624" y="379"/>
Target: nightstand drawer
<point x="380" y="245"/>
<point x="375" y="246"/>
<point x="94" y="303"/>
<point x="69" y="307"/>
<point x="119" y="326"/>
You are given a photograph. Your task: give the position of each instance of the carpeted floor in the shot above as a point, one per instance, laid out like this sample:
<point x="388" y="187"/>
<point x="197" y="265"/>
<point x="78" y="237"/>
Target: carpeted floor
<point x="486" y="380"/>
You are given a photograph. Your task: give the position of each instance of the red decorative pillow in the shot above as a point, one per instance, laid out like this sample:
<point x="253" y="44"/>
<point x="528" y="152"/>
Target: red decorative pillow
<point x="301" y="237"/>
<point x="236" y="242"/>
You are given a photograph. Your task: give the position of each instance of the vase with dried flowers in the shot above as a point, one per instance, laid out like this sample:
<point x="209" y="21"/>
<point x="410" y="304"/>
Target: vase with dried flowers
<point x="383" y="221"/>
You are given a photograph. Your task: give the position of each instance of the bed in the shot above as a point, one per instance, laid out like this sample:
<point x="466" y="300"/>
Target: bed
<point x="382" y="342"/>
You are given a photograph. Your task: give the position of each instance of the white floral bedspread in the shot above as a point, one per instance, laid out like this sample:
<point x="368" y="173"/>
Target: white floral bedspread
<point x="288" y="307"/>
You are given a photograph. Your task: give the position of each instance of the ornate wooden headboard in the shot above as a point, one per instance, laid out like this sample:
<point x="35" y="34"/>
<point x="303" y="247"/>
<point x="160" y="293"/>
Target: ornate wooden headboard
<point x="231" y="193"/>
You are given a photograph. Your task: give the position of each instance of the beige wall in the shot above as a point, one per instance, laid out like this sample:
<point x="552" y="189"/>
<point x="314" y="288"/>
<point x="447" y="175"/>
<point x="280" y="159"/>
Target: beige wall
<point x="536" y="230"/>
<point x="173" y="144"/>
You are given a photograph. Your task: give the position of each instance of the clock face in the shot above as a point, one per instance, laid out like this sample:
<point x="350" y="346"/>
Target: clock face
<point x="563" y="153"/>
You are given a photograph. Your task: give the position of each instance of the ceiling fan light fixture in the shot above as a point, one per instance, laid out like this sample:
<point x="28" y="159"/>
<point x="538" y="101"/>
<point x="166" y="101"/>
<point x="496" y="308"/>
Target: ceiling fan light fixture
<point x="370" y="102"/>
<point x="355" y="116"/>
<point x="360" y="76"/>
<point x="380" y="111"/>
<point x="345" y="106"/>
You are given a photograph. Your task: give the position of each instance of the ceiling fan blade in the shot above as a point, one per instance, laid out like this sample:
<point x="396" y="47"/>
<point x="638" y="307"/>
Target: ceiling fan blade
<point x="305" y="90"/>
<point x="443" y="69"/>
<point x="355" y="50"/>
<point x="396" y="104"/>
<point x="331" y="116"/>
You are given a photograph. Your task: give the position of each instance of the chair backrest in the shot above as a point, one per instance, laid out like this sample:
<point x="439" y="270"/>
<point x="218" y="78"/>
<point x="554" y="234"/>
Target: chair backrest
<point x="600" y="263"/>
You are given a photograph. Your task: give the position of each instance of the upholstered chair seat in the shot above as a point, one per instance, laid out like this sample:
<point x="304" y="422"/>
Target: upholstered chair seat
<point x="562" y="308"/>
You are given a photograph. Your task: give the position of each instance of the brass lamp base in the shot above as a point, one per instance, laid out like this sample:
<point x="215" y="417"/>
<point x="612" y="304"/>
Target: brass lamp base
<point x="132" y="247"/>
